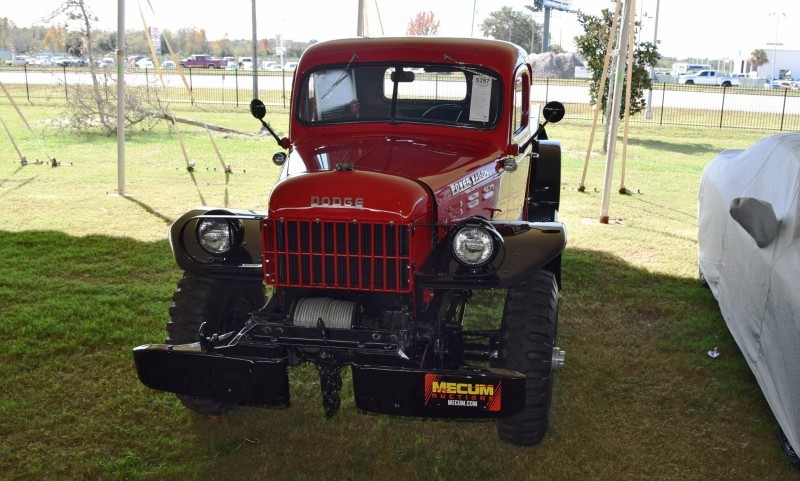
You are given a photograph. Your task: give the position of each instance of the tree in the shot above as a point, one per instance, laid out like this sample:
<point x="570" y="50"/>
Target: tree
<point x="758" y="57"/>
<point x="513" y="26"/>
<point x="592" y="46"/>
<point x="423" y="24"/>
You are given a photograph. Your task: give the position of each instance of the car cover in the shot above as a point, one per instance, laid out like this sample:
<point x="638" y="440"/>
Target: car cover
<point x="750" y="257"/>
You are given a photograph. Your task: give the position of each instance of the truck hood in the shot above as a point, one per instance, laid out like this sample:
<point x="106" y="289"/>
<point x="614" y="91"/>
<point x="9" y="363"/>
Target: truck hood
<point x="350" y="194"/>
<point x="436" y="163"/>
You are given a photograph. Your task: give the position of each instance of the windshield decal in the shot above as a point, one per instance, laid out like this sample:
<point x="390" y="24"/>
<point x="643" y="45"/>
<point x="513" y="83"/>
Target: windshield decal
<point x="481" y="100"/>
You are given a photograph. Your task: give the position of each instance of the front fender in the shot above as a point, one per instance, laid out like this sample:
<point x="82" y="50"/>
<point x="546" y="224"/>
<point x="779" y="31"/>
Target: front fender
<point x="243" y="261"/>
<point x="526" y="247"/>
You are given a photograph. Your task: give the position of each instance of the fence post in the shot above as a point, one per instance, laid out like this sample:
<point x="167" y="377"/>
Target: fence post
<point x="191" y="85"/>
<point x="236" y="76"/>
<point x="546" y="89"/>
<point x="663" y="95"/>
<point x="783" y="110"/>
<point x="722" y="108"/>
<point x="27" y="88"/>
<point x="66" y="94"/>
<point x="147" y="82"/>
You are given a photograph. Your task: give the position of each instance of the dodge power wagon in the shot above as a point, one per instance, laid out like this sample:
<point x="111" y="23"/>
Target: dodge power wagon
<point x="413" y="176"/>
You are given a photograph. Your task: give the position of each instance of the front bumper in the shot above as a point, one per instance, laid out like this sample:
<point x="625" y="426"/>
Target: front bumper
<point x="382" y="383"/>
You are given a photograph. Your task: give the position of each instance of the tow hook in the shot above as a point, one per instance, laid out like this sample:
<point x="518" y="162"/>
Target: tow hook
<point x="559" y="360"/>
<point x="330" y="381"/>
<point x="207" y="344"/>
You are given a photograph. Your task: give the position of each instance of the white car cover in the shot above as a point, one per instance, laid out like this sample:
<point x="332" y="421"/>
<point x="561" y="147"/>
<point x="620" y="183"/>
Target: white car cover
<point x="758" y="288"/>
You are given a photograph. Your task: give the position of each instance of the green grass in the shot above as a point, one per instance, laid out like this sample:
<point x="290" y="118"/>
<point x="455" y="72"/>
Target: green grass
<point x="87" y="276"/>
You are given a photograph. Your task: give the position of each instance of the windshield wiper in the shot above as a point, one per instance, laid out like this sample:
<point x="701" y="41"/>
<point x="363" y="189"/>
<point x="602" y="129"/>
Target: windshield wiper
<point x="464" y="67"/>
<point x="341" y="77"/>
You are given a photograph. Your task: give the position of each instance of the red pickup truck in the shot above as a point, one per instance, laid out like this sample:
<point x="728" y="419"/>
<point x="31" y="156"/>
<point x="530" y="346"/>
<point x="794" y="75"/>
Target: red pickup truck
<point x="202" y="61"/>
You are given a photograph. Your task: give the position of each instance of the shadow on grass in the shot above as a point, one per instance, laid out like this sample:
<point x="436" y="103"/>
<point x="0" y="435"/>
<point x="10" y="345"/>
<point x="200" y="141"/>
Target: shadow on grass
<point x="686" y="148"/>
<point x="150" y="210"/>
<point x="637" y="379"/>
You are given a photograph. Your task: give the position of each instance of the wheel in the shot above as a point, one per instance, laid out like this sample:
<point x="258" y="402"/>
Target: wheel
<point x="726" y="84"/>
<point x="689" y="82"/>
<point x="787" y="448"/>
<point x="224" y="305"/>
<point x="212" y="66"/>
<point x="527" y="340"/>
<point x="701" y="278"/>
<point x="444" y="115"/>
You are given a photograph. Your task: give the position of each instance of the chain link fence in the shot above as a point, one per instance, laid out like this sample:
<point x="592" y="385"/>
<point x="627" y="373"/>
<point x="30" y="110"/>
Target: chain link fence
<point x="669" y="103"/>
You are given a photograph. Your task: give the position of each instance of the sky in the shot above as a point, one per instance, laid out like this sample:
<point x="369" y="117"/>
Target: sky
<point x="697" y="29"/>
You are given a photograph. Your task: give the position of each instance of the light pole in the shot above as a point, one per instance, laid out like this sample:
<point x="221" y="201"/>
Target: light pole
<point x="775" y="45"/>
<point x="648" y="113"/>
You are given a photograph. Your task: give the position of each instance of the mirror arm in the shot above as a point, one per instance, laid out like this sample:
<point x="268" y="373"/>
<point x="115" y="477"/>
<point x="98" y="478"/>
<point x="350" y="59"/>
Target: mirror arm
<point x="269" y="129"/>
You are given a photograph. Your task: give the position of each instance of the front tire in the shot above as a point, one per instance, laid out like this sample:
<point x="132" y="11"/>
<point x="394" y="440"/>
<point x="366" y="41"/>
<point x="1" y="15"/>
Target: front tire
<point x="224" y="305"/>
<point x="527" y="339"/>
<point x="787" y="448"/>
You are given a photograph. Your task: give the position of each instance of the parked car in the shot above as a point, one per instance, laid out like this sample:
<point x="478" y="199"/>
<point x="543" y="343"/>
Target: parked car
<point x="290" y="66"/>
<point x="709" y="77"/>
<point x="168" y="64"/>
<point x="145" y="63"/>
<point x="246" y="63"/>
<point x="749" y="255"/>
<point x="269" y="65"/>
<point x="18" y="60"/>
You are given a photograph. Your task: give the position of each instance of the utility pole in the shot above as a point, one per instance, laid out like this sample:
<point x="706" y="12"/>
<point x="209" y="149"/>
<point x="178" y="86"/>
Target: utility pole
<point x="255" y="54"/>
<point x="648" y="113"/>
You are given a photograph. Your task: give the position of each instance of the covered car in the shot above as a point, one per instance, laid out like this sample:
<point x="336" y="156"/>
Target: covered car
<point x="750" y="258"/>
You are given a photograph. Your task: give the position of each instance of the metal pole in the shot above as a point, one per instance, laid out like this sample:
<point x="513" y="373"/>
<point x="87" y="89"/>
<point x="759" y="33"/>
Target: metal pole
<point x="255" y="54"/>
<point x="360" y="26"/>
<point x="546" y="31"/>
<point x="615" y="106"/>
<point x="648" y="113"/>
<point x="121" y="97"/>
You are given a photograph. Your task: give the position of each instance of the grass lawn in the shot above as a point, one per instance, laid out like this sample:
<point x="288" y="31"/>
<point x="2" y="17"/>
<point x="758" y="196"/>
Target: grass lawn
<point x="88" y="275"/>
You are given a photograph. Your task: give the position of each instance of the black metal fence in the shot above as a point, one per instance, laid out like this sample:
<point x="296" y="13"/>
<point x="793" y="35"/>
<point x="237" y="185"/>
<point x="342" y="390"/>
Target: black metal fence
<point x="670" y="104"/>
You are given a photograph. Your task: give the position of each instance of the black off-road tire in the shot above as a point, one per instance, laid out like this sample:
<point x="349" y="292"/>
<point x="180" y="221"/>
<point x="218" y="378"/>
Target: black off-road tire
<point x="788" y="449"/>
<point x="527" y="338"/>
<point x="224" y="305"/>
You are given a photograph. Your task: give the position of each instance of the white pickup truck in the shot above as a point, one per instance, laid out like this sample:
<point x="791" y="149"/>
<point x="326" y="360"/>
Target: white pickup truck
<point x="708" y="77"/>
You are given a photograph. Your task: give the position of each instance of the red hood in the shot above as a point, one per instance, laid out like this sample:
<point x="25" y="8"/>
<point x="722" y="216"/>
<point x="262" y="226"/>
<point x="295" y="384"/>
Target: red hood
<point x="437" y="163"/>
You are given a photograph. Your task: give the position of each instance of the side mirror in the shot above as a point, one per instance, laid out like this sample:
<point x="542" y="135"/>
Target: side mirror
<point x="757" y="218"/>
<point x="553" y="111"/>
<point x="258" y="109"/>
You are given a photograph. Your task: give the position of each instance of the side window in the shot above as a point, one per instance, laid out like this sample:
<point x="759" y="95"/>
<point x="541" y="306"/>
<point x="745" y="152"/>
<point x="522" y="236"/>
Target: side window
<point x="521" y="101"/>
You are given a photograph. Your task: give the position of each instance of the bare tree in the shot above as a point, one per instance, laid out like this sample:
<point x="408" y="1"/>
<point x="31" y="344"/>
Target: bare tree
<point x="424" y="23"/>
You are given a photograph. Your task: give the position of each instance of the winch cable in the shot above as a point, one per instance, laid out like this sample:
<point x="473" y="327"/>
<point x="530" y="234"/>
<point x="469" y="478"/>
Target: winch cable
<point x="23" y="160"/>
<point x="19" y="112"/>
<point x="598" y="103"/>
<point x="628" y="79"/>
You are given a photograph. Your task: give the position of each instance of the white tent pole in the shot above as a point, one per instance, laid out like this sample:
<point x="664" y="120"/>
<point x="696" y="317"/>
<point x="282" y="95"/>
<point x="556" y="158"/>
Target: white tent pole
<point x="616" y="100"/>
<point x="360" y="25"/>
<point x="121" y="97"/>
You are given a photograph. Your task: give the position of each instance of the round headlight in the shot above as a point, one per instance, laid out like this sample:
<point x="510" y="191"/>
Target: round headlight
<point x="473" y="246"/>
<point x="215" y="235"/>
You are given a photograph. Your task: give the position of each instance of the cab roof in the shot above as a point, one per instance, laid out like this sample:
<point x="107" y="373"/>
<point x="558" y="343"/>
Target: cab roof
<point x="503" y="57"/>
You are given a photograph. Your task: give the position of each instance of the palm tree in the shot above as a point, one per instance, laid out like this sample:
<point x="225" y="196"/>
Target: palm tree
<point x="758" y="57"/>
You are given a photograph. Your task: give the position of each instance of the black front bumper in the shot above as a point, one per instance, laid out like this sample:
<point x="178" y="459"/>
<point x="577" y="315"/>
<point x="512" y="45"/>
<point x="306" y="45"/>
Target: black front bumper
<point x="382" y="383"/>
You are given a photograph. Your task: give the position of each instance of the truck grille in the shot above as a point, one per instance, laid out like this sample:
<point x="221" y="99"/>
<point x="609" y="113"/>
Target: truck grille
<point x="338" y="255"/>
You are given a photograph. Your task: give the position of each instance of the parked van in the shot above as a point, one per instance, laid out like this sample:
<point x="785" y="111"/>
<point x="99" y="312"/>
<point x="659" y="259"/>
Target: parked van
<point x="681" y="68"/>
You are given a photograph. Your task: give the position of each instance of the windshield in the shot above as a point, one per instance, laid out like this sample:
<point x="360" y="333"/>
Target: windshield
<point x="437" y="94"/>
